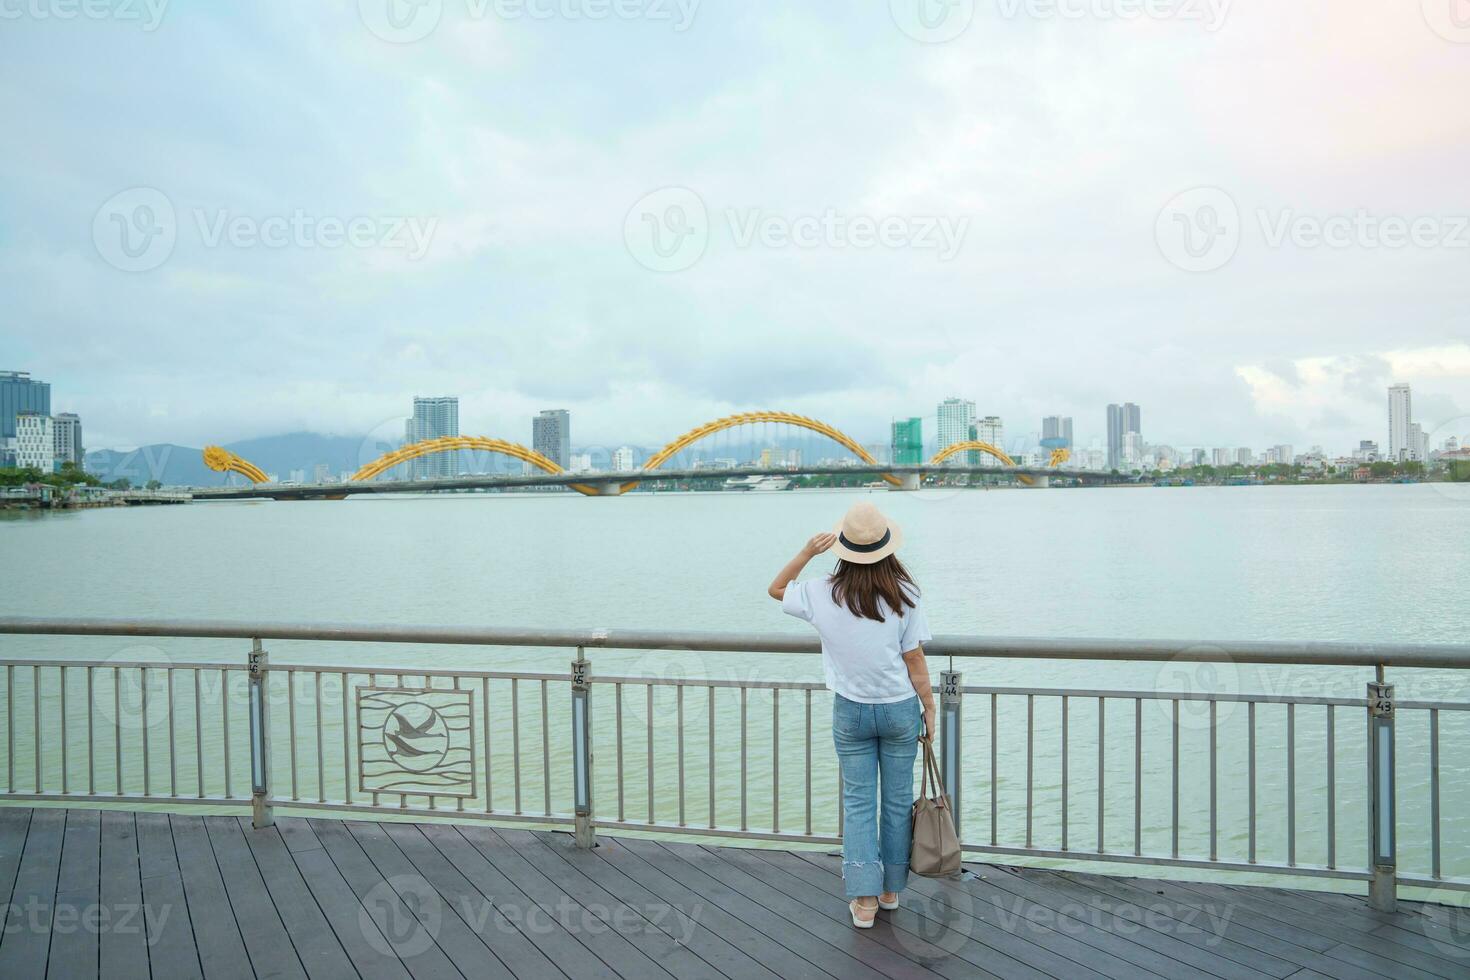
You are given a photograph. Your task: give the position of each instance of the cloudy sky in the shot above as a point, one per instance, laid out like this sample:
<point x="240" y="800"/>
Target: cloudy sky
<point x="223" y="221"/>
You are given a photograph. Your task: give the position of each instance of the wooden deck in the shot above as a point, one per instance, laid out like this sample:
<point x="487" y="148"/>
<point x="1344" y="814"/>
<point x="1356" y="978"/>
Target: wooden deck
<point x="118" y="894"/>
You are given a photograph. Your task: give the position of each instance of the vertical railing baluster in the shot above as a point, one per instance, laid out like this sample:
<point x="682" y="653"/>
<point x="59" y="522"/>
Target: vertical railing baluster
<point x="1030" y="730"/>
<point x="1214" y="787"/>
<point x="173" y="766"/>
<point x="198" y="735"/>
<point x="91" y="738"/>
<point x="649" y="746"/>
<point x="10" y="728"/>
<point x="1064" y="772"/>
<point x="1291" y="784"/>
<point x="545" y="751"/>
<point x="485" y="725"/>
<point x="117" y="729"/>
<point x="291" y="725"/>
<point x="321" y="767"/>
<point x="1331" y="791"/>
<point x="994" y="788"/>
<point x="775" y="760"/>
<point x="143" y="724"/>
<point x="36" y="722"/>
<point x="1434" y="792"/>
<point x="1251" y="778"/>
<point x="1175" y="781"/>
<point x="346" y="744"/>
<point x="63" y="731"/>
<point x="618" y="695"/>
<point x="1137" y="777"/>
<point x="679" y="699"/>
<point x="224" y="692"/>
<point x="515" y="744"/>
<point x="744" y="758"/>
<point x="1102" y="725"/>
<point x="808" y="762"/>
<point x="711" y="713"/>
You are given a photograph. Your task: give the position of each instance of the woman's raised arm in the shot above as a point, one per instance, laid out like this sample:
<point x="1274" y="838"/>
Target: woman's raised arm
<point x="814" y="547"/>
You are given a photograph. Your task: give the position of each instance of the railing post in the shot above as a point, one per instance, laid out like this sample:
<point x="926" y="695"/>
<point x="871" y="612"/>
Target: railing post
<point x="260" y="809"/>
<point x="586" y="827"/>
<point x="1383" y="887"/>
<point x="949" y="740"/>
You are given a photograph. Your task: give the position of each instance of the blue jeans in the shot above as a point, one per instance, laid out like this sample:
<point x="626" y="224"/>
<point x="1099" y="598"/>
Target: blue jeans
<point x="873" y="739"/>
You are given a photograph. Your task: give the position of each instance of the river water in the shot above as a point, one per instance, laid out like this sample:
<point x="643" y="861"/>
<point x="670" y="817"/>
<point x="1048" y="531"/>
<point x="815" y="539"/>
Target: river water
<point x="1371" y="563"/>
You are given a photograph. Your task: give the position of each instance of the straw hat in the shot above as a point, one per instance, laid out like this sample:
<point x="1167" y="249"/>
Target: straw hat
<point x="865" y="536"/>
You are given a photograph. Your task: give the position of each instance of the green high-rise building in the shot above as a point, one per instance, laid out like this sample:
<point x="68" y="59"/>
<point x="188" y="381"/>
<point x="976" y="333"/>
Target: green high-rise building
<point x="908" y="441"/>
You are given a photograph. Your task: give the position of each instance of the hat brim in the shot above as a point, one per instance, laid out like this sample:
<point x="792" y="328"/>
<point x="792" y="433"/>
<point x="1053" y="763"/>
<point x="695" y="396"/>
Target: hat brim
<point x="895" y="540"/>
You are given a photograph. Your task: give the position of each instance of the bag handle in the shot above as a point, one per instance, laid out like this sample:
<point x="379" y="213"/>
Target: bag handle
<point x="931" y="765"/>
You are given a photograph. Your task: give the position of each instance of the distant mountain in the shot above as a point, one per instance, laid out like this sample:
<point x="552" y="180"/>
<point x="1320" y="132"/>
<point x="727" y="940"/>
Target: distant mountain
<point x="174" y="465"/>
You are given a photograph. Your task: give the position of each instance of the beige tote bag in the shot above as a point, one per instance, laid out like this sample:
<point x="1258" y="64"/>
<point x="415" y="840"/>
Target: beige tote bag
<point x="936" y="848"/>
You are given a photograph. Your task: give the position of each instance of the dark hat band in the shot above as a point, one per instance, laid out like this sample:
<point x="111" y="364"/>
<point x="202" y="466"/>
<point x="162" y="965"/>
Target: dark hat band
<point x="864" y="548"/>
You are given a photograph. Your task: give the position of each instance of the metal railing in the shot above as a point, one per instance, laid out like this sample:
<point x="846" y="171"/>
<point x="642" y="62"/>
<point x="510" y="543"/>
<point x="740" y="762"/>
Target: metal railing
<point x="542" y="746"/>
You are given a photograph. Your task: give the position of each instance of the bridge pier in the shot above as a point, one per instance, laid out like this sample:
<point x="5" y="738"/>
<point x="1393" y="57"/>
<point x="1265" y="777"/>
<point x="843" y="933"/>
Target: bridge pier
<point x="910" y="482"/>
<point x="608" y="488"/>
<point x="1041" y="481"/>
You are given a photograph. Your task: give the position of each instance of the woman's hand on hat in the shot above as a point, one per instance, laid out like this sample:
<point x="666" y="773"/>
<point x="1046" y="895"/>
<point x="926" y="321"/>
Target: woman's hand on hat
<point x="820" y="543"/>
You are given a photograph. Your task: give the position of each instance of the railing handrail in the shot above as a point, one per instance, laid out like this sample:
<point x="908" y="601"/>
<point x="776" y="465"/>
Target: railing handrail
<point x="1284" y="653"/>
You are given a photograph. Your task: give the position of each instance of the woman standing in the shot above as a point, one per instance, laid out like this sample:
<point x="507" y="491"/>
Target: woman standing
<point x="872" y="628"/>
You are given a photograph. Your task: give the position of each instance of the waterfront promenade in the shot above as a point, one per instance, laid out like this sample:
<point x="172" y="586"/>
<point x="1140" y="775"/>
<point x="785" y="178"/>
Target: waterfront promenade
<point x="183" y="896"/>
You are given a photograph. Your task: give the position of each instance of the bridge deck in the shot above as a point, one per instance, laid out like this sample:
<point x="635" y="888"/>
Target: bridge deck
<point x="121" y="894"/>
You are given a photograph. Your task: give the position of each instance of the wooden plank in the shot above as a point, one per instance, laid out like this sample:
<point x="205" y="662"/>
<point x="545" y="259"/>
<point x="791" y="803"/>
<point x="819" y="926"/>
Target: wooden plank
<point x="123" y="949"/>
<point x="14" y="821"/>
<point x="297" y="834"/>
<point x="856" y="943"/>
<point x="222" y="952"/>
<point x="495" y="869"/>
<point x="662" y="939"/>
<point x="172" y="951"/>
<point x="397" y="928"/>
<point x="935" y="959"/>
<point x="318" y="948"/>
<point x="267" y="941"/>
<point x="25" y="941"/>
<point x="837" y="951"/>
<point x="78" y="917"/>
<point x="718" y="950"/>
<point x="497" y="922"/>
<point x="983" y="943"/>
<point x="773" y="949"/>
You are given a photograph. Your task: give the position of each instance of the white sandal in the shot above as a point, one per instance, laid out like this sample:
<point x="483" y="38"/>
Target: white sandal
<point x="887" y="906"/>
<point x="853" y="907"/>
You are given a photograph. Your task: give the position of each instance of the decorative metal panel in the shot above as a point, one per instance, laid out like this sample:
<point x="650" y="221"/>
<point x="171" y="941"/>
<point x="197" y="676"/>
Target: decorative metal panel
<point x="415" y="742"/>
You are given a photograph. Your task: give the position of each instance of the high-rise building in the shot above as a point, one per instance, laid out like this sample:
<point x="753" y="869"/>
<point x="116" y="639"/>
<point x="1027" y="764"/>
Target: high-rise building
<point x="623" y="460"/>
<point x="1122" y="419"/>
<point x="322" y="473"/>
<point x="551" y="435"/>
<point x="19" y="393"/>
<point x="907" y="446"/>
<point x="954" y="417"/>
<point x="433" y="418"/>
<point x="1400" y="417"/>
<point x="66" y="431"/>
<point x="1056" y="432"/>
<point x="988" y="430"/>
<point x="35" y="442"/>
<point x="1418" y="443"/>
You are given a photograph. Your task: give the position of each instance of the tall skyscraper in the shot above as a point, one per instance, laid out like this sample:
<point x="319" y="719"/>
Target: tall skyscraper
<point x="551" y="435"/>
<point x="1122" y="419"/>
<point x="1056" y="432"/>
<point x="19" y="393"/>
<point x="991" y="431"/>
<point x="1400" y="417"/>
<point x="35" y="442"/>
<point x="66" y="430"/>
<point x="433" y="418"/>
<point x="955" y="417"/>
<point x="907" y="445"/>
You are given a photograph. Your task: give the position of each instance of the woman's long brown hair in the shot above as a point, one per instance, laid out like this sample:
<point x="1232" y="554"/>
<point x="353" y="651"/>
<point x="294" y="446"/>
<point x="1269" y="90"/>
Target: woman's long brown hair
<point x="859" y="587"/>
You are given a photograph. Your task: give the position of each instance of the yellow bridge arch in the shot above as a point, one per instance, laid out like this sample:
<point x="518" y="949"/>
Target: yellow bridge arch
<point x="221" y="460"/>
<point x="1058" y="456"/>
<point x="747" y="418"/>
<point x="448" y="443"/>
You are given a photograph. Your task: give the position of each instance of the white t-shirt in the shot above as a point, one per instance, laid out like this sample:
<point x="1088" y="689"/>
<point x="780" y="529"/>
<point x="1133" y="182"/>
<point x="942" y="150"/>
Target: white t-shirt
<point x="863" y="658"/>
